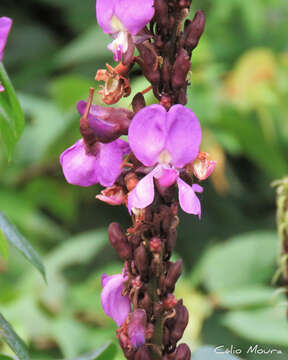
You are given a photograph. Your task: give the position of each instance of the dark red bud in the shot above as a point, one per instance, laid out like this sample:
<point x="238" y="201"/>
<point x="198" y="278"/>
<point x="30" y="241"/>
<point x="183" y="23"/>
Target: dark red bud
<point x="173" y="274"/>
<point x="143" y="353"/>
<point x="171" y="240"/>
<point x="181" y="68"/>
<point x="194" y="31"/>
<point x="170" y="302"/>
<point x="161" y="14"/>
<point x="118" y="240"/>
<point x="141" y="260"/>
<point x="166" y="74"/>
<point x="183" y="352"/>
<point x="166" y="102"/>
<point x="149" y="63"/>
<point x="155" y="245"/>
<point x="179" y="323"/>
<point x="182" y="95"/>
<point x="138" y="102"/>
<point x="184" y="3"/>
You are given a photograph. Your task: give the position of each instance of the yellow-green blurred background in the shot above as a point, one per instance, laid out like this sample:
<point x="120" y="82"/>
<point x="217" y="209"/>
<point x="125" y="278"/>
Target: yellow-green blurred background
<point x="239" y="91"/>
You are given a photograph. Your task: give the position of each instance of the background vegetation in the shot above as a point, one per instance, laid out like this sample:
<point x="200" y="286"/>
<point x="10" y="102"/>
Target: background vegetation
<point x="239" y="89"/>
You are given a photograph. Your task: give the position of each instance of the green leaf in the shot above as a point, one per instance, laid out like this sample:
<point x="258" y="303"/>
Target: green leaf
<point x="245" y="260"/>
<point x="267" y="326"/>
<point x="12" y="339"/>
<point x="88" y="46"/>
<point x="208" y="352"/>
<point x="78" y="249"/>
<point x="247" y="296"/>
<point x="4" y="248"/>
<point x="106" y="352"/>
<point x="47" y="124"/>
<point x="21" y="244"/>
<point x="249" y="133"/>
<point x="67" y="90"/>
<point x="11" y="116"/>
<point x="4" y="357"/>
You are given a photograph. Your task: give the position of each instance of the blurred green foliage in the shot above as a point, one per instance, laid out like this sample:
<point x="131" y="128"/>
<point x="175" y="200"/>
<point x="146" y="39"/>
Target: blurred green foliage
<point x="238" y="90"/>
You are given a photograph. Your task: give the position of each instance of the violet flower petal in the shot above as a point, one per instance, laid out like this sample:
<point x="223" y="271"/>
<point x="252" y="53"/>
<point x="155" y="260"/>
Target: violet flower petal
<point x="166" y="176"/>
<point x="104" y="11"/>
<point x="109" y="160"/>
<point x="124" y="146"/>
<point x="134" y="14"/>
<point x="87" y="169"/>
<point x="184" y="135"/>
<point x="147" y="134"/>
<point x="78" y="167"/>
<point x="5" y="26"/>
<point x="143" y="194"/>
<point x="188" y="200"/>
<point x="114" y="304"/>
<point x="197" y="188"/>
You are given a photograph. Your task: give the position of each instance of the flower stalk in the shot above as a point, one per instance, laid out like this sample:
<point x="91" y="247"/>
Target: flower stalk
<point x="161" y="168"/>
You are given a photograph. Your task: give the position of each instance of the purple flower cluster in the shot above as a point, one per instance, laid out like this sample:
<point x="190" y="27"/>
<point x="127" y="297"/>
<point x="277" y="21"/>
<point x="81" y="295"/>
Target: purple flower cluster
<point x="162" y="154"/>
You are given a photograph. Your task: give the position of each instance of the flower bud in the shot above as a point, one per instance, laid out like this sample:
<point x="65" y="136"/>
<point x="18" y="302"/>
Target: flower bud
<point x="171" y="240"/>
<point x="178" y="324"/>
<point x="149" y="62"/>
<point x="184" y="3"/>
<point x="183" y="352"/>
<point x="181" y="68"/>
<point x="103" y="124"/>
<point x="194" y="31"/>
<point x="143" y="353"/>
<point x="161" y="14"/>
<point x="169" y="302"/>
<point x="182" y="95"/>
<point x="173" y="274"/>
<point x="138" y="102"/>
<point x="146" y="303"/>
<point x="155" y="245"/>
<point x="118" y="240"/>
<point x="141" y="260"/>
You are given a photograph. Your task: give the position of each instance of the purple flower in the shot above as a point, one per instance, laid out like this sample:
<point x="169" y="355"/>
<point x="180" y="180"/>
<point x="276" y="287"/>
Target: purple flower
<point x="100" y="164"/>
<point x="167" y="141"/>
<point x="137" y="327"/>
<point x="115" y="305"/>
<point x="5" y="26"/>
<point x="122" y="20"/>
